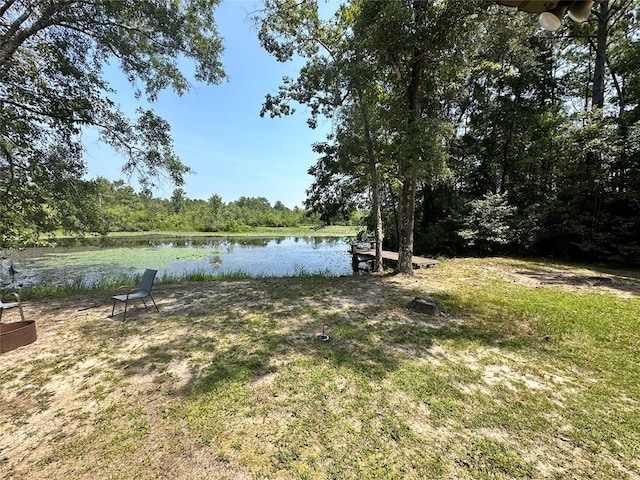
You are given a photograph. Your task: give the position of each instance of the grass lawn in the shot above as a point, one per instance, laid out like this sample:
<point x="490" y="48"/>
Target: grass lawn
<point x="532" y="372"/>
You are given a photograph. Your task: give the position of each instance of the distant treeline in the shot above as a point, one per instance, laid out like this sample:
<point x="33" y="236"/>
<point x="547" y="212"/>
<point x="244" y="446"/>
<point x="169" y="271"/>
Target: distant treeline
<point x="121" y="208"/>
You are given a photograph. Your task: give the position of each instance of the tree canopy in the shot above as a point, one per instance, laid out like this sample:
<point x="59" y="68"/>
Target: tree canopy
<point x="464" y="128"/>
<point x="488" y="134"/>
<point x="375" y="60"/>
<point x="53" y="55"/>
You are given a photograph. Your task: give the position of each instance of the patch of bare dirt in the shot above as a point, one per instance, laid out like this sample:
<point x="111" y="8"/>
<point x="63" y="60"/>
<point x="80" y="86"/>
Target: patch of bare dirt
<point x="55" y="390"/>
<point x="621" y="283"/>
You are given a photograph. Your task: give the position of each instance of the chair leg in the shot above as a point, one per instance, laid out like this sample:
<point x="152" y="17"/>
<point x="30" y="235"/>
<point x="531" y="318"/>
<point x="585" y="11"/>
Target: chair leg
<point x="19" y="309"/>
<point x="125" y="309"/>
<point x="154" y="303"/>
<point x="113" y="309"/>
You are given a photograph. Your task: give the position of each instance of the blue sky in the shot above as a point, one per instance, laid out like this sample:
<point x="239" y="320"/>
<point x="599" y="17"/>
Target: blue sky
<point x="217" y="129"/>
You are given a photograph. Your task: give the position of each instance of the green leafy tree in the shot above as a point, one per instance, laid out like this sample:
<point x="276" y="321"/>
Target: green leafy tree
<point x="414" y="45"/>
<point x="335" y="77"/>
<point x="599" y="185"/>
<point x="486" y="226"/>
<point x="393" y="56"/>
<point x="178" y="200"/>
<point x="547" y="119"/>
<point x="339" y="186"/>
<point x="510" y="118"/>
<point x="52" y="60"/>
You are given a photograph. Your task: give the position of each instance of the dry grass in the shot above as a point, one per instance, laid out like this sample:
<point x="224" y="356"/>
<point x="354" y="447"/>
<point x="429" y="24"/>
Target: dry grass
<point x="532" y="373"/>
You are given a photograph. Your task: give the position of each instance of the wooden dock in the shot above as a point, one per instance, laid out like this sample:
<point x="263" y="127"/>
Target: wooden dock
<point x="369" y="255"/>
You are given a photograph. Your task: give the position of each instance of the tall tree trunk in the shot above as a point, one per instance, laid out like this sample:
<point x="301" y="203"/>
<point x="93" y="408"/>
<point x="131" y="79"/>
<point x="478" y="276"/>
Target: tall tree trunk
<point x="407" y="203"/>
<point x="597" y="95"/>
<point x="409" y="166"/>
<point x="593" y="159"/>
<point x="375" y="181"/>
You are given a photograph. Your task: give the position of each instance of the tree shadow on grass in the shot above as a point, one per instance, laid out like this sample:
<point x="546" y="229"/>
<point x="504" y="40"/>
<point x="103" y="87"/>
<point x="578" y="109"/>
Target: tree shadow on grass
<point x="247" y="338"/>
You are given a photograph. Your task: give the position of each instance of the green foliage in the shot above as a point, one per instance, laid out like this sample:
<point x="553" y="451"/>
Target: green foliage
<point x="464" y="105"/>
<point x="435" y="105"/>
<point x="121" y="209"/>
<point x="487" y="224"/>
<point x="340" y="185"/>
<point x="52" y="56"/>
<point x="527" y="130"/>
<point x="379" y="70"/>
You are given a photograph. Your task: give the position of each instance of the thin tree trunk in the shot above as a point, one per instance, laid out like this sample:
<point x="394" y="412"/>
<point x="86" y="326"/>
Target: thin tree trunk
<point x="597" y="96"/>
<point x="505" y="160"/>
<point x="395" y="203"/>
<point x="375" y="182"/>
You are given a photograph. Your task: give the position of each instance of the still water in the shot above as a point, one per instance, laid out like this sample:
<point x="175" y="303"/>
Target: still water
<point x="90" y="260"/>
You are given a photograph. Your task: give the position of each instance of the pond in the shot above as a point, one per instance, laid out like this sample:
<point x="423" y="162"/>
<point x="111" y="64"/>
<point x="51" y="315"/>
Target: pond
<point x="88" y="261"/>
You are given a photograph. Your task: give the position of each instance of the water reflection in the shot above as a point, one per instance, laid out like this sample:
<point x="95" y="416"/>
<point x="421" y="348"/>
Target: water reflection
<point x="87" y="260"/>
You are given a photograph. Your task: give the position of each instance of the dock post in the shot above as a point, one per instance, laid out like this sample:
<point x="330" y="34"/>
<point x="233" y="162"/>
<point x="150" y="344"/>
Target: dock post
<point x="354" y="257"/>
